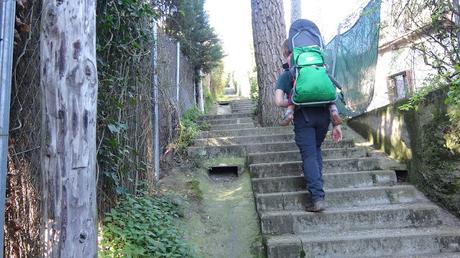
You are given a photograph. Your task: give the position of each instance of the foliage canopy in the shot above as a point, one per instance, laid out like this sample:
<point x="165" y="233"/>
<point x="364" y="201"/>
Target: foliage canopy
<point x="187" y="21"/>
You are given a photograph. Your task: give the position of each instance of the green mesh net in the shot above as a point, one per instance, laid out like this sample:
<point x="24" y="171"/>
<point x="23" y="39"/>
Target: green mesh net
<point x="355" y="53"/>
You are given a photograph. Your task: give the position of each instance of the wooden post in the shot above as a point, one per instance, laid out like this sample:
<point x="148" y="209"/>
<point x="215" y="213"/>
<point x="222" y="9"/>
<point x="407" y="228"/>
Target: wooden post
<point x="69" y="97"/>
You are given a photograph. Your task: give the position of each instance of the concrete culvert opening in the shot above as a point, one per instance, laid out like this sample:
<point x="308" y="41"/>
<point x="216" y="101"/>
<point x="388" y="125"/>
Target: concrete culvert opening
<point x="223" y="173"/>
<point x="402" y="176"/>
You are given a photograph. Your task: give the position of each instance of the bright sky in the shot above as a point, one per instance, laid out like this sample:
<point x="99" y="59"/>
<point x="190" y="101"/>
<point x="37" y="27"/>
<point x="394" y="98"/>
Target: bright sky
<point x="232" y="22"/>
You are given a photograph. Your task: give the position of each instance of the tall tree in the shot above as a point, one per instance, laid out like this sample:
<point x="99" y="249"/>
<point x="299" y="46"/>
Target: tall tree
<point x="296" y="10"/>
<point x="69" y="95"/>
<point x="269" y="32"/>
<point x="188" y="22"/>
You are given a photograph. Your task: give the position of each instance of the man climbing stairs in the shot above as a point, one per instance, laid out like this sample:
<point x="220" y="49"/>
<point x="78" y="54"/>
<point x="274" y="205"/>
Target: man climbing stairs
<point x="369" y="214"/>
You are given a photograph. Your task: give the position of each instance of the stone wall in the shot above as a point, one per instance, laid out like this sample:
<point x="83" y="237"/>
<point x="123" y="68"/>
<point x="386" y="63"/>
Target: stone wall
<point x="423" y="139"/>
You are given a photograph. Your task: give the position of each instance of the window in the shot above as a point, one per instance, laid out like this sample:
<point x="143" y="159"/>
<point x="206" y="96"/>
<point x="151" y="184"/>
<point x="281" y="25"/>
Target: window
<point x="399" y="86"/>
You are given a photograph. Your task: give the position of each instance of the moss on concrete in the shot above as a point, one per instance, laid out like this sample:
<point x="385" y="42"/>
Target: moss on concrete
<point x="226" y="224"/>
<point x="226" y="161"/>
<point x="426" y="139"/>
<point x="223" y="222"/>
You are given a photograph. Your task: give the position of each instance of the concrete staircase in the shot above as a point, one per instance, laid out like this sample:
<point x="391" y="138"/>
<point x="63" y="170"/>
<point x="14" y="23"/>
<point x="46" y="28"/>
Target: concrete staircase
<point x="370" y="214"/>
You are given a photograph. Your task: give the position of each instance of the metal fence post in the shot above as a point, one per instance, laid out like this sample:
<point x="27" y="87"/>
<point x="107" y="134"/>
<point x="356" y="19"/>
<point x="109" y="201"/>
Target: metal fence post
<point x="155" y="109"/>
<point x="201" y="92"/>
<point x="178" y="79"/>
<point x="7" y="17"/>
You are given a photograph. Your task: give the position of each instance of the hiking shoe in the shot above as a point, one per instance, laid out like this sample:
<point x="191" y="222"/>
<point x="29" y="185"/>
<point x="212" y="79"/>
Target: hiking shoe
<point x="317" y="206"/>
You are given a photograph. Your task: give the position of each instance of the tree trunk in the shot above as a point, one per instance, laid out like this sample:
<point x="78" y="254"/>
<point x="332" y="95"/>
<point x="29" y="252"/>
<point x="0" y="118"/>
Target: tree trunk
<point x="269" y="32"/>
<point x="296" y="10"/>
<point x="69" y="96"/>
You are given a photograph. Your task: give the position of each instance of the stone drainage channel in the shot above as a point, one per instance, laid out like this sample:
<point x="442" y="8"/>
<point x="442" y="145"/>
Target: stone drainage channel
<point x="227" y="225"/>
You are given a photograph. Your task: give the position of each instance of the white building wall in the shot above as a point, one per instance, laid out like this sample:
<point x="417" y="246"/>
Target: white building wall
<point x="395" y="56"/>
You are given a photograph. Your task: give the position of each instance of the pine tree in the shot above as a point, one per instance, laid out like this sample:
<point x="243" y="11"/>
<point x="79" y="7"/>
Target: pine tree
<point x="269" y="32"/>
<point x="189" y="24"/>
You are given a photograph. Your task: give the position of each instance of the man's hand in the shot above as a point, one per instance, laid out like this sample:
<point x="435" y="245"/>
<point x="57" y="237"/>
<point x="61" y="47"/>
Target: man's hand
<point x="280" y="101"/>
<point x="337" y="134"/>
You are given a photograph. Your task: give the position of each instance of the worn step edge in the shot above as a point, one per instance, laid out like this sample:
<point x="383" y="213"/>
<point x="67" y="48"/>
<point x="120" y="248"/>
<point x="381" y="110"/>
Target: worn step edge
<point x="231" y="121"/>
<point x="260" y="157"/>
<point x="290" y="145"/>
<point x="342" y="164"/>
<point x="214" y="128"/>
<point x="350" y="218"/>
<point x="348" y="180"/>
<point x="244" y="132"/>
<point x="381" y="242"/>
<point x="261" y="139"/>
<point x="224" y="116"/>
<point x="339" y="197"/>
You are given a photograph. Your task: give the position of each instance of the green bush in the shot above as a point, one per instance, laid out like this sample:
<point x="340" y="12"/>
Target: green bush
<point x="188" y="129"/>
<point x="143" y="226"/>
<point x="209" y="100"/>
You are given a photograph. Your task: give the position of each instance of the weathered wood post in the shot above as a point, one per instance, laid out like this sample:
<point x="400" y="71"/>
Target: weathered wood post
<point x="69" y="96"/>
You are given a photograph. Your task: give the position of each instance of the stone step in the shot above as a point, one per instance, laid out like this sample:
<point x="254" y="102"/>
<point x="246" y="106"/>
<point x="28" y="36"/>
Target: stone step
<point x="231" y="127"/>
<point x="405" y="242"/>
<point x="440" y="255"/>
<point x="342" y="197"/>
<point x="241" y="101"/>
<point x="208" y="152"/>
<point x="230" y="121"/>
<point x="291" y="146"/>
<point x="245" y="132"/>
<point x="242" y="110"/>
<point x="244" y="139"/>
<point x="225" y="116"/>
<point x="355" y="218"/>
<point x="241" y="149"/>
<point x="294" y="155"/>
<point x="242" y="105"/>
<point x="293" y="168"/>
<point x="331" y="181"/>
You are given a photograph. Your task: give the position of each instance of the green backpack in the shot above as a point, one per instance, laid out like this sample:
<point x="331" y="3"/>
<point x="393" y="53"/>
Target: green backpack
<point x="312" y="85"/>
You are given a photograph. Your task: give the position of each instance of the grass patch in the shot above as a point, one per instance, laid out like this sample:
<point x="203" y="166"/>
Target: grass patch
<point x="194" y="186"/>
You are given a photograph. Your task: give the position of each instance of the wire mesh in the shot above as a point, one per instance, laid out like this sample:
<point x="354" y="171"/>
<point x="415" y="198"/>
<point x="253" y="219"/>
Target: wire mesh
<point x="356" y="53"/>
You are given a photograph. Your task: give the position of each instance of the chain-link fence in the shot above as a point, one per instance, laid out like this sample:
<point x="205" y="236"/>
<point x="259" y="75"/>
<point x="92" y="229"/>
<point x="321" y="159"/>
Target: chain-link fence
<point x="131" y="93"/>
<point x="353" y="57"/>
<point x="22" y="211"/>
<point x="170" y="105"/>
